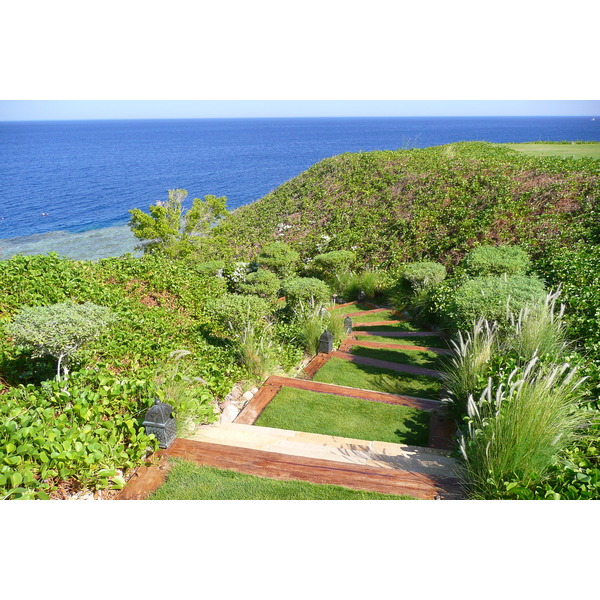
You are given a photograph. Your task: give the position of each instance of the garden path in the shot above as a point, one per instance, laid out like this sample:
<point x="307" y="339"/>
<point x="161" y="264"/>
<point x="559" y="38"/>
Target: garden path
<point x="421" y="472"/>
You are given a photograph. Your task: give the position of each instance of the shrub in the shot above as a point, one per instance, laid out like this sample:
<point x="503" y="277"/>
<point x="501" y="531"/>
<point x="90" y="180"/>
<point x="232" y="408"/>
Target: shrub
<point x="60" y="330"/>
<point x="213" y="267"/>
<point x="279" y="258"/>
<point x="261" y="283"/>
<point x="420" y="275"/>
<point x="305" y="292"/>
<point x="334" y="263"/>
<point x="492" y="298"/>
<point x="497" y="260"/>
<point x="235" y="313"/>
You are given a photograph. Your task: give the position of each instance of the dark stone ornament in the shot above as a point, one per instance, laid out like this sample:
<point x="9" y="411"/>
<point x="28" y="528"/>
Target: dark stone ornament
<point x="326" y="342"/>
<point x="160" y="422"/>
<point x="348" y="325"/>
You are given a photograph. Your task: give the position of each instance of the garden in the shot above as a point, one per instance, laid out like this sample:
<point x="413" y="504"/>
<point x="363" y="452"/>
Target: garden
<point x="507" y="335"/>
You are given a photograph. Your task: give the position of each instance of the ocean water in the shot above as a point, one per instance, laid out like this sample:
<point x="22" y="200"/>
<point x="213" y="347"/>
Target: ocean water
<point x="67" y="186"/>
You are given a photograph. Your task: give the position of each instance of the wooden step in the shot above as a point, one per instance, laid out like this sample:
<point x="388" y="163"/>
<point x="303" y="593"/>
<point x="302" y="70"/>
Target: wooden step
<point x="339" y="390"/>
<point x="376" y="323"/>
<point x="316" y="363"/>
<point x="286" y="467"/>
<point x="384" y="364"/>
<point x="298" y="443"/>
<point x="360" y="313"/>
<point x="252" y="410"/>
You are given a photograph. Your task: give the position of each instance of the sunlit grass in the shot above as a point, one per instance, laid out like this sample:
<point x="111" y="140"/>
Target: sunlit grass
<point x="343" y="372"/>
<point x="329" y="414"/>
<point x="187" y="481"/>
<point x="431" y="341"/>
<point x="416" y="358"/>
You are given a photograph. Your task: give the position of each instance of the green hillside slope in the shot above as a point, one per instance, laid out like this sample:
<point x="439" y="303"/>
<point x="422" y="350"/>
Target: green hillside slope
<point x="395" y="206"/>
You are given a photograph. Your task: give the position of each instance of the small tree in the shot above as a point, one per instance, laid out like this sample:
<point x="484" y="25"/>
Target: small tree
<point x="171" y="231"/>
<point x="279" y="258"/>
<point x="261" y="283"/>
<point x="335" y="262"/>
<point x="60" y="330"/>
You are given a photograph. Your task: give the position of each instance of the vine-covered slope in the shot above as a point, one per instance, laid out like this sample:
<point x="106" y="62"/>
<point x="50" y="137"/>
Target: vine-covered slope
<point x="437" y="202"/>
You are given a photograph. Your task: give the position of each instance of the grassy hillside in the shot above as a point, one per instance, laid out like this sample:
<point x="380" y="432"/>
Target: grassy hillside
<point x="396" y="206"/>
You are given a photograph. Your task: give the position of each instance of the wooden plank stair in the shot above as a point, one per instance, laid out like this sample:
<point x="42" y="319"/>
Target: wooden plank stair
<point x="284" y="466"/>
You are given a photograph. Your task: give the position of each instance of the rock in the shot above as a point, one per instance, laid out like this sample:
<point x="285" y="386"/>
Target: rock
<point x="247" y="396"/>
<point x="254" y="390"/>
<point x="229" y="414"/>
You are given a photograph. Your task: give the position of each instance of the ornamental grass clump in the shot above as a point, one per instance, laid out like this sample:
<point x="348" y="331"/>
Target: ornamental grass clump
<point x="466" y="372"/>
<point x="313" y="322"/>
<point x="539" y="330"/>
<point x="256" y="352"/>
<point x="517" y="430"/>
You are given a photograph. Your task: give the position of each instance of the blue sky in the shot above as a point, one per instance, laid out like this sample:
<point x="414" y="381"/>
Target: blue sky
<point x="25" y="110"/>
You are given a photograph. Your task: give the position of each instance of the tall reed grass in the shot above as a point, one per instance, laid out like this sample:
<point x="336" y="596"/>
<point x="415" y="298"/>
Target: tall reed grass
<point x="468" y="368"/>
<point x="312" y="323"/>
<point x="517" y="431"/>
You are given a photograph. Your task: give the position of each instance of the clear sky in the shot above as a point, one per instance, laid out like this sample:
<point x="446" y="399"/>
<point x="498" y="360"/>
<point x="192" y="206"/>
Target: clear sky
<point x="25" y="110"/>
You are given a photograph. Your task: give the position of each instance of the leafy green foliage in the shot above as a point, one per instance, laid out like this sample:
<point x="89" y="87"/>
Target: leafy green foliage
<point x="170" y="230"/>
<point x="234" y="313"/>
<point x="89" y="435"/>
<point x="493" y="298"/>
<point x="279" y="258"/>
<point x="420" y="275"/>
<point x="261" y="283"/>
<point x="497" y="260"/>
<point x="394" y="207"/>
<point x="301" y="292"/>
<point x="60" y="330"/>
<point x="335" y="262"/>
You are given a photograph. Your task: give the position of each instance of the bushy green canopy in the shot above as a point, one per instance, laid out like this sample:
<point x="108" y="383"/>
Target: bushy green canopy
<point x="59" y="330"/>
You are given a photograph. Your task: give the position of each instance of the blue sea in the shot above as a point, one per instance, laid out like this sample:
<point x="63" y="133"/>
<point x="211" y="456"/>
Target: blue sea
<point x="67" y="186"/>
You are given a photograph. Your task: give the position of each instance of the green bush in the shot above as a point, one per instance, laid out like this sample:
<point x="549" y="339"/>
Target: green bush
<point x="376" y="285"/>
<point x="491" y="298"/>
<point x="334" y="263"/>
<point x="420" y="275"/>
<point x="60" y="330"/>
<point x="234" y="313"/>
<point x="261" y="283"/>
<point x="305" y="292"/>
<point x="212" y="267"/>
<point x="279" y="258"/>
<point x="497" y="260"/>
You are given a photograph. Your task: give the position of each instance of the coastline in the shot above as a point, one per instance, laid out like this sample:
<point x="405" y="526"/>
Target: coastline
<point x="93" y="244"/>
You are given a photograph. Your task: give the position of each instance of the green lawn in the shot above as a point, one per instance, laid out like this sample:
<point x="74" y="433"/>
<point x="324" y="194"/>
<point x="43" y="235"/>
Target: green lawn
<point x="187" y="481"/>
<point x="432" y="341"/>
<point x="350" y="309"/>
<point x="397" y="326"/>
<point x="327" y="414"/>
<point x="415" y="358"/>
<point x="566" y="150"/>
<point x="384" y="315"/>
<point x="343" y="372"/>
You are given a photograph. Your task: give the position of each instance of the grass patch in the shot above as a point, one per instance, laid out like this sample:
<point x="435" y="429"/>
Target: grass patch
<point x="350" y="309"/>
<point x="415" y="358"/>
<point x="384" y="315"/>
<point x="343" y="372"/>
<point x="328" y="414"/>
<point x="187" y="481"/>
<point x="397" y="326"/>
<point x="431" y="341"/>
<point x="565" y="150"/>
